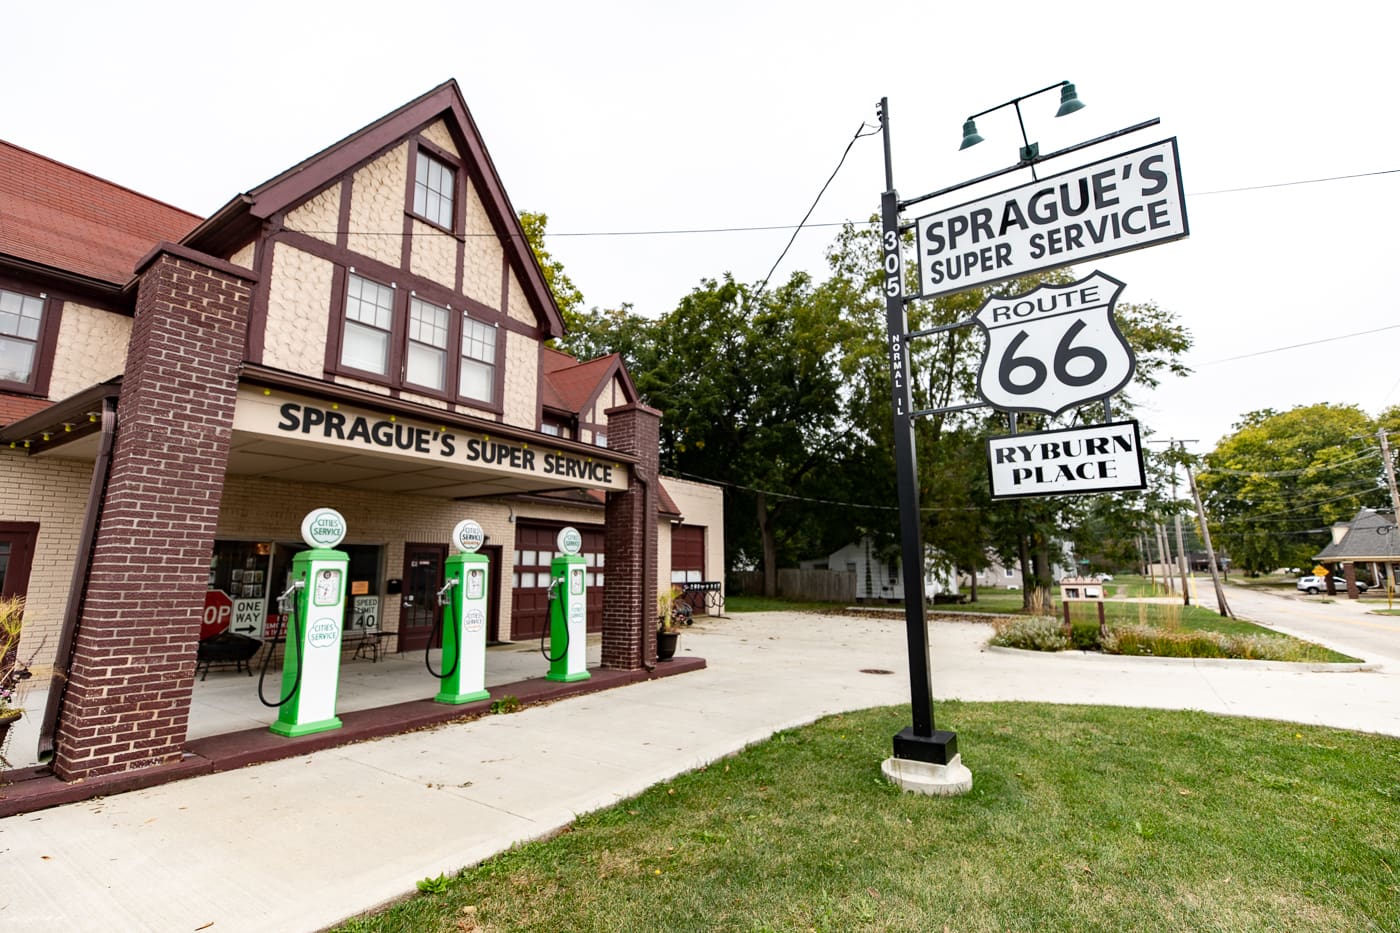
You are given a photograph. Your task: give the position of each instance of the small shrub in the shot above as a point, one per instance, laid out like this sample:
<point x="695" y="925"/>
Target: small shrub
<point x="1084" y="636"/>
<point x="1038" y="633"/>
<point x="438" y="885"/>
<point x="506" y="704"/>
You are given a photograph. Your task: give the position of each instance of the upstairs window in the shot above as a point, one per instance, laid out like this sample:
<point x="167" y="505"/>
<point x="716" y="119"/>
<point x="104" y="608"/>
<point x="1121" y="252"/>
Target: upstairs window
<point x="434" y="187"/>
<point x="21" y="324"/>
<point x="397" y="337"/>
<point x="478" y="367"/>
<point x="427" y="345"/>
<point x="369" y="323"/>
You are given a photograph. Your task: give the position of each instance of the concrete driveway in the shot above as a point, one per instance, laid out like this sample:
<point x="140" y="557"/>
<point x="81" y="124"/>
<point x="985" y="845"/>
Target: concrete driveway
<point x="302" y="843"/>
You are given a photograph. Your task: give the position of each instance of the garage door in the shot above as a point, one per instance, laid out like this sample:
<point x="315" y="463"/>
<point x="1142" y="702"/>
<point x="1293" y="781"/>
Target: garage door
<point x="534" y="550"/>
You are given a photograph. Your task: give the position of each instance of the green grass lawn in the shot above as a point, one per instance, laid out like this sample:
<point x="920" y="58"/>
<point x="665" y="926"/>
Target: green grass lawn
<point x="1080" y="818"/>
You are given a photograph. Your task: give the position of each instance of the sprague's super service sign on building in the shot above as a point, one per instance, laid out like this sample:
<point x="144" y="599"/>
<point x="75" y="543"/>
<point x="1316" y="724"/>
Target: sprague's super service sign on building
<point x="1123" y="203"/>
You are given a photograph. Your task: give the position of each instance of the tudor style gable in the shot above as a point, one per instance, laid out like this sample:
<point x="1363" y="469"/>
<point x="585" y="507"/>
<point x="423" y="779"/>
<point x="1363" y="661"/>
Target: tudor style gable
<point x="393" y="262"/>
<point x="576" y="396"/>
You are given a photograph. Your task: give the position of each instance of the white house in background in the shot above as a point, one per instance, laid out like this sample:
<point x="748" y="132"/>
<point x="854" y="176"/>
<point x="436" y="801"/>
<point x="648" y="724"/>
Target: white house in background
<point x="882" y="577"/>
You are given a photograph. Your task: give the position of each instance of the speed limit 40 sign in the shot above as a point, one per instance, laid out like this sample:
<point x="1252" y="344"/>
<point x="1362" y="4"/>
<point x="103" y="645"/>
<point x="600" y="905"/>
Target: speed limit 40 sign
<point x="1054" y="347"/>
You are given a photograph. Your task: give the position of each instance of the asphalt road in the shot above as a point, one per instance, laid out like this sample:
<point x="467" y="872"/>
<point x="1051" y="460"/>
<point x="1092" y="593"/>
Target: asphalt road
<point x="1345" y="625"/>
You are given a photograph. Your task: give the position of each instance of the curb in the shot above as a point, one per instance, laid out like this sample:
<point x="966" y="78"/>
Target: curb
<point x="1302" y="667"/>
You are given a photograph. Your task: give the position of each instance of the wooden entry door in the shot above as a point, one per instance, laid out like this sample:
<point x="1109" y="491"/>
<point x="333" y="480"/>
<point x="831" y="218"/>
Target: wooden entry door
<point x="16" y="555"/>
<point x="422" y="578"/>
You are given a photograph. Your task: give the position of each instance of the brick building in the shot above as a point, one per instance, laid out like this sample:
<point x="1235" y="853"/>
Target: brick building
<point x="366" y="331"/>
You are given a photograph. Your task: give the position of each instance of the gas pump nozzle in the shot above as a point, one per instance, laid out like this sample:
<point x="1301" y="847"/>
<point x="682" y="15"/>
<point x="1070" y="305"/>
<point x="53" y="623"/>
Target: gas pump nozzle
<point x="290" y="590"/>
<point x="444" y="594"/>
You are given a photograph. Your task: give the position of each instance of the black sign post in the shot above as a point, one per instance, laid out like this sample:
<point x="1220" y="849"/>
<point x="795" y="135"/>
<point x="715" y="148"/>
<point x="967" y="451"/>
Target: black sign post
<point x="921" y="741"/>
<point x="1139" y="200"/>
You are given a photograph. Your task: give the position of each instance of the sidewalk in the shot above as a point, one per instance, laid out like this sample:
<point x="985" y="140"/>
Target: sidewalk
<point x="302" y="843"/>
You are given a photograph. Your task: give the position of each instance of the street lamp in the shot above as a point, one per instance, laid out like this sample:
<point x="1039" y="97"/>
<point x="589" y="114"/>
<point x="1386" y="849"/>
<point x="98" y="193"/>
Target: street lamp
<point x="1069" y="103"/>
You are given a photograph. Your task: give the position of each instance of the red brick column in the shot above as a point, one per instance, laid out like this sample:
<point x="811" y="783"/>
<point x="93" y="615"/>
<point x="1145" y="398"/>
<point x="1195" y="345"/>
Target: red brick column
<point x="126" y="705"/>
<point x="629" y="543"/>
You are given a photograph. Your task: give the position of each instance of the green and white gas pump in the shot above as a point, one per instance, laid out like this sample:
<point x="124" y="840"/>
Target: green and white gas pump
<point x="315" y="607"/>
<point x="568" y="610"/>
<point x="464" y="602"/>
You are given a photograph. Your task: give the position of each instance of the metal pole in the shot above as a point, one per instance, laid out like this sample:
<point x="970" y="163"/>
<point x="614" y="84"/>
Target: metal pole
<point x="919" y="742"/>
<point x="1210" y="549"/>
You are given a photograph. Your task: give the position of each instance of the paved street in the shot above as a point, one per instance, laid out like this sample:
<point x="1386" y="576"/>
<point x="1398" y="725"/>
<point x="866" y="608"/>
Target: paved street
<point x="1345" y="625"/>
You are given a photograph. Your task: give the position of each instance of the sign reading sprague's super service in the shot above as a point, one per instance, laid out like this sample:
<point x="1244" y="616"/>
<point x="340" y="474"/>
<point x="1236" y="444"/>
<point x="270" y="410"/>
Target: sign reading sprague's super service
<point x="1124" y="203"/>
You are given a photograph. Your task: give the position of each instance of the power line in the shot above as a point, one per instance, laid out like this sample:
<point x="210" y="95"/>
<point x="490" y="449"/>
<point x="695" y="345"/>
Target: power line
<point x="1296" y="346"/>
<point x="1290" y="184"/>
<point x="763" y="228"/>
<point x="764" y="284"/>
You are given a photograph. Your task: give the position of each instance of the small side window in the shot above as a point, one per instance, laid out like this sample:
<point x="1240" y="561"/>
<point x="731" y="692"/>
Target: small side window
<point x="21" y="338"/>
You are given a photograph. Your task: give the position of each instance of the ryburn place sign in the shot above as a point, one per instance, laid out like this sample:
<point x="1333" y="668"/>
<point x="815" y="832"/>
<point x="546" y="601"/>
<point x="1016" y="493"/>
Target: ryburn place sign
<point x="1054" y="347"/>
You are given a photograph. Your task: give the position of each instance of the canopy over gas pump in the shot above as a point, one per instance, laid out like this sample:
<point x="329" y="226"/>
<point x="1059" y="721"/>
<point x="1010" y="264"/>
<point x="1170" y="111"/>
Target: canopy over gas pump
<point x="311" y="663"/>
<point x="568" y="610"/>
<point x="465" y="604"/>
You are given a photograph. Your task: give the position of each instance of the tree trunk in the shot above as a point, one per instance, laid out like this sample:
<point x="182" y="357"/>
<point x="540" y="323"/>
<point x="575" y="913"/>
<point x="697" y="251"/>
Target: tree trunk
<point x="1027" y="573"/>
<point x="1043" y="597"/>
<point x="972" y="587"/>
<point x="770" y="548"/>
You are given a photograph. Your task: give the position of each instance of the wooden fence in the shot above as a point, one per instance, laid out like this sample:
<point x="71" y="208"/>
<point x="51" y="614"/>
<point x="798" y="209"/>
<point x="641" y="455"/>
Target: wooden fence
<point x="813" y="585"/>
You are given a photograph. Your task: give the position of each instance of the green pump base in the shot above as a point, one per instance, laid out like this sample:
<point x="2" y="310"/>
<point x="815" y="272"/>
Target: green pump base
<point x="292" y="730"/>
<point x="459" y="698"/>
<point x="567" y="678"/>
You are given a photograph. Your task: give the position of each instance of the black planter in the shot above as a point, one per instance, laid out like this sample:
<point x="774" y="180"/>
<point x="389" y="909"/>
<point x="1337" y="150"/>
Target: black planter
<point x="666" y="645"/>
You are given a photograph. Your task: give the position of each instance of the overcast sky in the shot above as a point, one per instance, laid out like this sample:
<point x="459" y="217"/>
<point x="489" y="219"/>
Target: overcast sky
<point x="624" y="117"/>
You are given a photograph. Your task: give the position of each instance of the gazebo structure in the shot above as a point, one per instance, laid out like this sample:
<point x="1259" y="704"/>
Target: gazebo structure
<point x="1370" y="540"/>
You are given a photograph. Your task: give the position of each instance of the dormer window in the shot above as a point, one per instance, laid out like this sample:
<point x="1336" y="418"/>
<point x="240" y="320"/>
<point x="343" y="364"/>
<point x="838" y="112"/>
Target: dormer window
<point x="434" y="188"/>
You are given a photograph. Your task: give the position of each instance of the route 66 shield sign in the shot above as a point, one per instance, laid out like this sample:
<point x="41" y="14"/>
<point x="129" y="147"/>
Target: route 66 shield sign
<point x="1054" y="347"/>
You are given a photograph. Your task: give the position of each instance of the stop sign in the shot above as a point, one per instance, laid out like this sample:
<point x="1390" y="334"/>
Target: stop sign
<point x="218" y="612"/>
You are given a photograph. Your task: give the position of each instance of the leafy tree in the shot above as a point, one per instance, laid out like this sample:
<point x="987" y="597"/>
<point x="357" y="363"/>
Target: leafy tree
<point x="1274" y="486"/>
<point x="566" y="294"/>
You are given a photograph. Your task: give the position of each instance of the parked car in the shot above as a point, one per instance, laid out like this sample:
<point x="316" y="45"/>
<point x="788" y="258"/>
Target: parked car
<point x="1314" y="585"/>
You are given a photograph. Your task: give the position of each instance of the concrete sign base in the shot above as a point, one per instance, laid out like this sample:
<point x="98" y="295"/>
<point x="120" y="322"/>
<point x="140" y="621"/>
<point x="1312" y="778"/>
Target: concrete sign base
<point x="922" y="777"/>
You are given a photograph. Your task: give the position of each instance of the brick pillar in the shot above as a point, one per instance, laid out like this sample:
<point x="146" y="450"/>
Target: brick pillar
<point x="126" y="705"/>
<point x="629" y="546"/>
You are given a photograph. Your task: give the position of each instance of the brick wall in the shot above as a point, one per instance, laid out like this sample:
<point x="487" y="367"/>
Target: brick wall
<point x="629" y="599"/>
<point x="126" y="705"/>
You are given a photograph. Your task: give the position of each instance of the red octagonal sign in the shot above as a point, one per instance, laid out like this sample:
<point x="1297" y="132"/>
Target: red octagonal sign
<point x="218" y="613"/>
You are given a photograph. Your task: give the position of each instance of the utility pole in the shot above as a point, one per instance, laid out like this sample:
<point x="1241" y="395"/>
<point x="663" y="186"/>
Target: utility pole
<point x="1394" y="496"/>
<point x="1180" y="544"/>
<point x="1164" y="558"/>
<point x="1210" y="549"/>
<point x="1389" y="473"/>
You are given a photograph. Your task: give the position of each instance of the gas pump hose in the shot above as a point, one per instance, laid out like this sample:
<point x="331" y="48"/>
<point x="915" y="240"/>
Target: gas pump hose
<point x="436" y="636"/>
<point x="555" y="601"/>
<point x="296" y="680"/>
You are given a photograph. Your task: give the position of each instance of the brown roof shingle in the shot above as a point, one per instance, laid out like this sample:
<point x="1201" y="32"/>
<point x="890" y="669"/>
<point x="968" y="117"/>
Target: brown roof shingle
<point x="57" y="216"/>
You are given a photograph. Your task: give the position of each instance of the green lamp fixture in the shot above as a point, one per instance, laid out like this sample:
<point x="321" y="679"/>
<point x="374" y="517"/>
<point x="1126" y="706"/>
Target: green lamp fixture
<point x="1069" y="100"/>
<point x="970" y="137"/>
<point x="1069" y="103"/>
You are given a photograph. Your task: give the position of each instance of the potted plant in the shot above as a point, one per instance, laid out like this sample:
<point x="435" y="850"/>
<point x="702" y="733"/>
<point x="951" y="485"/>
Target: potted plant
<point x="671" y="613"/>
<point x="12" y="670"/>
